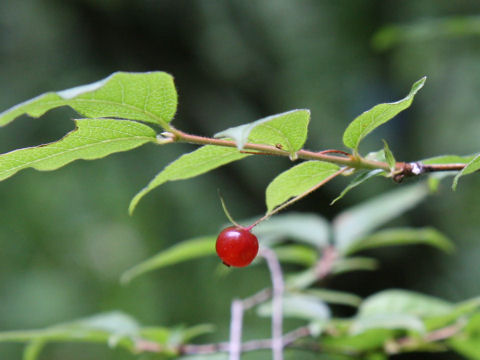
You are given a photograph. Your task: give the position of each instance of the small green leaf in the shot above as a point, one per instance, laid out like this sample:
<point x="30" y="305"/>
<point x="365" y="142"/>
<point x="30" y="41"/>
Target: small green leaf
<point x="189" y="165"/>
<point x="404" y="302"/>
<point x="471" y="167"/>
<point x="359" y="179"/>
<point x="296" y="254"/>
<point x="297" y="180"/>
<point x="186" y="250"/>
<point x="310" y="229"/>
<point x="403" y="236"/>
<point x="376" y="116"/>
<point x="92" y="139"/>
<point x="299" y="306"/>
<point x="448" y="159"/>
<point x="387" y="321"/>
<point x="389" y="156"/>
<point x="335" y="297"/>
<point x="356" y="222"/>
<point x="147" y="97"/>
<point x="287" y="131"/>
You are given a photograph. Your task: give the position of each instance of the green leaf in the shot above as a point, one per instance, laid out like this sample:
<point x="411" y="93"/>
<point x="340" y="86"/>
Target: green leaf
<point x="471" y="167"/>
<point x="376" y="116"/>
<point x="448" y="159"/>
<point x="310" y="229"/>
<point x="389" y="156"/>
<point x="404" y="302"/>
<point x="387" y="321"/>
<point x="186" y="250"/>
<point x="298" y="306"/>
<point x="297" y="180"/>
<point x="359" y="179"/>
<point x="147" y="97"/>
<point x="287" y="131"/>
<point x="335" y="297"/>
<point x="189" y="165"/>
<point x="356" y="222"/>
<point x="403" y="236"/>
<point x="296" y="254"/>
<point x="92" y="139"/>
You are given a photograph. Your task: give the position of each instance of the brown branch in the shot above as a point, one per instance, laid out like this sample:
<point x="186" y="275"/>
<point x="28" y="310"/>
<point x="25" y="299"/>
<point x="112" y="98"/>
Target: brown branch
<point x="403" y="169"/>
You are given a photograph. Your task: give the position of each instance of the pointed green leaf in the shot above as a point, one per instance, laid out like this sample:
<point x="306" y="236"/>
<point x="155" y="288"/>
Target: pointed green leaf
<point x="183" y="251"/>
<point x="448" y="159"/>
<point x="296" y="181"/>
<point x="92" y="139"/>
<point x="189" y="165"/>
<point x="376" y="116"/>
<point x="359" y="179"/>
<point x="403" y="236"/>
<point x="288" y="131"/>
<point x="299" y="306"/>
<point x="147" y="97"/>
<point x="389" y="156"/>
<point x="356" y="222"/>
<point x="471" y="167"/>
<point x="311" y="229"/>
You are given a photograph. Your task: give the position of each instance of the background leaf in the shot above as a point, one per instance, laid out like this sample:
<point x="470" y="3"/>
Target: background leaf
<point x="296" y="254"/>
<point x="307" y="228"/>
<point x="289" y="130"/>
<point x="92" y="139"/>
<point x="472" y="166"/>
<point x="335" y="297"/>
<point x="299" y="306"/>
<point x="296" y="181"/>
<point x="147" y="97"/>
<point x="403" y="302"/>
<point x="376" y="116"/>
<point x="190" y="165"/>
<point x="114" y="328"/>
<point x="403" y="236"/>
<point x="186" y="250"/>
<point x="356" y="222"/>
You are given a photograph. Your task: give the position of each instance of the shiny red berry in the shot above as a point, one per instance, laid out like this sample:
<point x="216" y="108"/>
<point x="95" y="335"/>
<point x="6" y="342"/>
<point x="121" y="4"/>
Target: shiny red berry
<point x="236" y="246"/>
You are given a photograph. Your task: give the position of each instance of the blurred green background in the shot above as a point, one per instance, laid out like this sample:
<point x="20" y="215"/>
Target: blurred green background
<point x="65" y="236"/>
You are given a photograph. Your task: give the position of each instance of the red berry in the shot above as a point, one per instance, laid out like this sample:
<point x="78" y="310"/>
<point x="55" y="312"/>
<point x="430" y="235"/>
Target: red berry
<point x="236" y="246"/>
